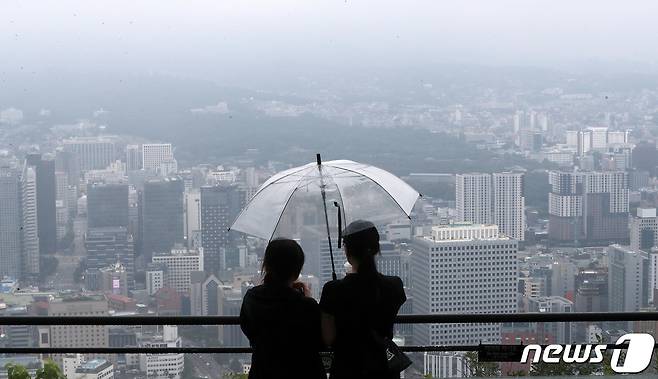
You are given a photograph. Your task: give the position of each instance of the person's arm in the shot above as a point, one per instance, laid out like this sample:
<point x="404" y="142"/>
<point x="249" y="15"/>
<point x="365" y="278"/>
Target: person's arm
<point x="328" y="329"/>
<point x="244" y="319"/>
<point x="328" y="308"/>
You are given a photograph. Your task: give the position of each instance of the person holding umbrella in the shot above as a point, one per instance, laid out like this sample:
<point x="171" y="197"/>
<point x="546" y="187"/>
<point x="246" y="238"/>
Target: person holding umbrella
<point x="359" y="310"/>
<point x="281" y="319"/>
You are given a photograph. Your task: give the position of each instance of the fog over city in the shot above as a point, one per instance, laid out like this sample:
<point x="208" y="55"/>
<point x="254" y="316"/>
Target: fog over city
<point x="417" y="162"/>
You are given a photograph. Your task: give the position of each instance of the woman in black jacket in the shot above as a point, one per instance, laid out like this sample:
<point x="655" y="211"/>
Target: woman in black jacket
<point x="358" y="311"/>
<point x="281" y="319"/>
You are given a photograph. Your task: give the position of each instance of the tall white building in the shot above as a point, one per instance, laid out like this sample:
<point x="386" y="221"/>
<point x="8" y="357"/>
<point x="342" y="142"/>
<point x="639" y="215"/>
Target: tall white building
<point x="492" y="199"/>
<point x="473" y="198"/>
<point x="154" y="154"/>
<point x="463" y="269"/>
<point x="30" y="228"/>
<point x="509" y="204"/>
<point x="180" y="263"/>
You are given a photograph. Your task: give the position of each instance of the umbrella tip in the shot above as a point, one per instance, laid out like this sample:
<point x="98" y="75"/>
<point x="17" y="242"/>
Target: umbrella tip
<point x="318" y="158"/>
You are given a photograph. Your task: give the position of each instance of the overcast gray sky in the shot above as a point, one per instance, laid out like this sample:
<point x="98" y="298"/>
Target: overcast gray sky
<point x="215" y="38"/>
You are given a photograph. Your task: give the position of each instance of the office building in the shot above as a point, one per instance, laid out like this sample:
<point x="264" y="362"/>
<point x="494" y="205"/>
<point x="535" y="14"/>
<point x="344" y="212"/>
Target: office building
<point x="162" y="366"/>
<point x="107" y="205"/>
<point x="492" y="198"/>
<point x="79" y="336"/>
<point x="112" y="279"/>
<point x="220" y="205"/>
<point x="30" y="225"/>
<point x="560" y="332"/>
<point x="108" y="246"/>
<point x="156" y="277"/>
<point x="588" y="207"/>
<point x="463" y="268"/>
<point x="93" y="153"/>
<point x="205" y="294"/>
<point x="10" y="221"/>
<point x="154" y="154"/>
<point x="508" y="204"/>
<point x="193" y="218"/>
<point x="46" y="187"/>
<point x="162" y="217"/>
<point x="180" y="263"/>
<point x="94" y="369"/>
<point x="628" y="279"/>
<point x="644" y="229"/>
<point x="133" y="158"/>
<point x="473" y="198"/>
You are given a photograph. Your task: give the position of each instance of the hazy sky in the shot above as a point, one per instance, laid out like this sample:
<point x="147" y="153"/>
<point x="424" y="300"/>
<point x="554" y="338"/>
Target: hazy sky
<point x="221" y="38"/>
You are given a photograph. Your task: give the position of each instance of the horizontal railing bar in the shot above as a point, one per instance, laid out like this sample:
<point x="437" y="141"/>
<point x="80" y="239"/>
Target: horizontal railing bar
<point x="401" y="319"/>
<point x="222" y="350"/>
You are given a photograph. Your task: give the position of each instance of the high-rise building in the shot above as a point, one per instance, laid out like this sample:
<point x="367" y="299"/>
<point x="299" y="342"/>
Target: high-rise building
<point x="180" y="264"/>
<point x="628" y="279"/>
<point x="508" y="202"/>
<point x="10" y="222"/>
<point x="220" y="205"/>
<point x="93" y="153"/>
<point x="473" y="198"/>
<point x="162" y="216"/>
<point x="463" y="268"/>
<point x="30" y="224"/>
<point x="154" y="154"/>
<point x="107" y="205"/>
<point x="133" y="158"/>
<point x="110" y="245"/>
<point x="588" y="207"/>
<point x="46" y="202"/>
<point x="205" y="294"/>
<point x="492" y="199"/>
<point x="67" y="162"/>
<point x="644" y="229"/>
<point x="193" y="218"/>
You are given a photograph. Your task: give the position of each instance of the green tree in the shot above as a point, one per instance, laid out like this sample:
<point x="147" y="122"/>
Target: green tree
<point x="50" y="370"/>
<point x="15" y="371"/>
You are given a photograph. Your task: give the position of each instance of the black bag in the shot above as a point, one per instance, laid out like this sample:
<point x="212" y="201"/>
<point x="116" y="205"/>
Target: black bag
<point x="396" y="360"/>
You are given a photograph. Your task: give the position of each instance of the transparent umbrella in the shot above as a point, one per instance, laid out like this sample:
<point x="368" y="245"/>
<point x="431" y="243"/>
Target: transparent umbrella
<point x="319" y="197"/>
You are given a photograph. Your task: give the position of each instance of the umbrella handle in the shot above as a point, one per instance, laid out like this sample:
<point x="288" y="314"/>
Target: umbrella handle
<point x="340" y="224"/>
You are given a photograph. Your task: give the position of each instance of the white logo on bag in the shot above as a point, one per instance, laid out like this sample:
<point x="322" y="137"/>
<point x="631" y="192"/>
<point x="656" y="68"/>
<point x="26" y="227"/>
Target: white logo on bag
<point x="638" y="355"/>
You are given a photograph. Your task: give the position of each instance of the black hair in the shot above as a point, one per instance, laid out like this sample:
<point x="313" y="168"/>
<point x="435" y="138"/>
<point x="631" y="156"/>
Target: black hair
<point x="283" y="260"/>
<point x="362" y="246"/>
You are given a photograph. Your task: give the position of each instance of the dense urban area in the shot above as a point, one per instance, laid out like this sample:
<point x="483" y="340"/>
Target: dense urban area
<point x="534" y="200"/>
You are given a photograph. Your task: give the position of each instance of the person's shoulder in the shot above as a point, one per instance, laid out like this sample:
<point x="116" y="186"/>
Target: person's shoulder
<point x="391" y="280"/>
<point x="332" y="285"/>
<point x="254" y="291"/>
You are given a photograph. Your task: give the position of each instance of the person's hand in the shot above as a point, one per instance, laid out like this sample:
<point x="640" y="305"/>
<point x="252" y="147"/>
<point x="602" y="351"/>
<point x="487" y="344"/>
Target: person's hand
<point x="303" y="287"/>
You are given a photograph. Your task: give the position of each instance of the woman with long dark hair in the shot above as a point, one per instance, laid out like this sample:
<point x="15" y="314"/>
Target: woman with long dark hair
<point x="281" y="319"/>
<point x="358" y="311"/>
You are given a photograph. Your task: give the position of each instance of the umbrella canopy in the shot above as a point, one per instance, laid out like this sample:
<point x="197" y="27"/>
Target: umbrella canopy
<point x="295" y="200"/>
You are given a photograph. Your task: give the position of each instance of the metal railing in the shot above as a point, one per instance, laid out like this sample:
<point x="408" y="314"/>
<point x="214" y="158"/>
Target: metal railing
<point x="233" y="320"/>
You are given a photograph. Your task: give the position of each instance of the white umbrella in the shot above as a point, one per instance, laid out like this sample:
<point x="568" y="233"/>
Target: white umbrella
<point x="296" y="196"/>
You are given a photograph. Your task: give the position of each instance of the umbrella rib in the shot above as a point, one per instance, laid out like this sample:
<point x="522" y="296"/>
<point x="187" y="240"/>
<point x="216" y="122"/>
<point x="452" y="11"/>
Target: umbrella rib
<point x="302" y="168"/>
<point x="276" y="226"/>
<point x="379" y="185"/>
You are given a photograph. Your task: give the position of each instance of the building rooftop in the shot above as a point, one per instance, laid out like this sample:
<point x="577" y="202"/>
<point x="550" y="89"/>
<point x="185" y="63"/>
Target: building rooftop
<point x="93" y="366"/>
